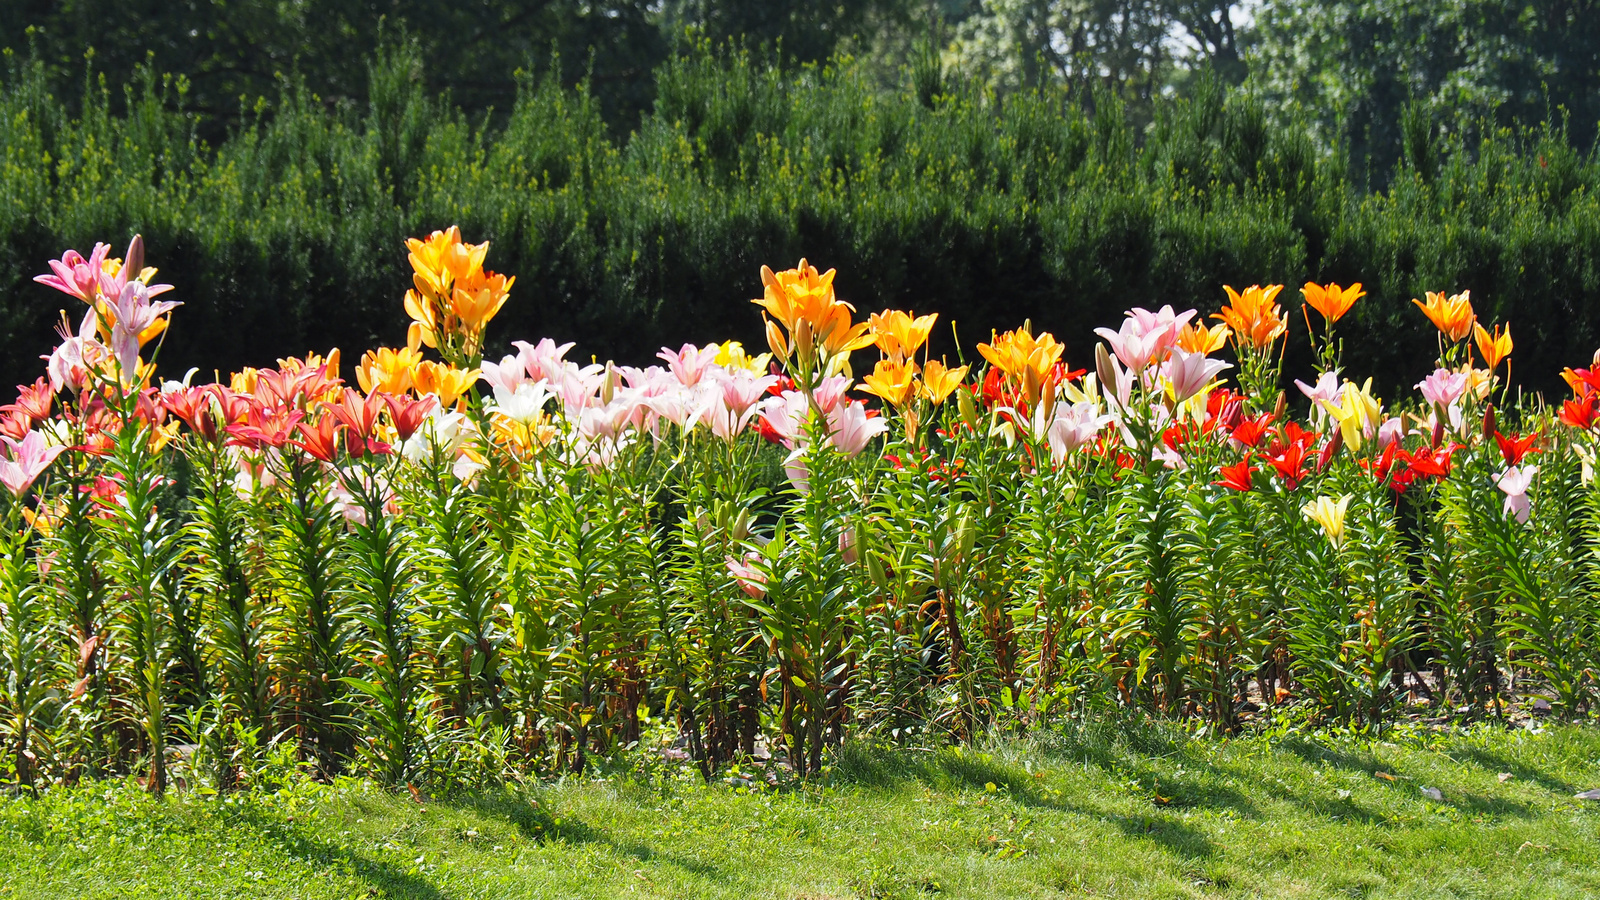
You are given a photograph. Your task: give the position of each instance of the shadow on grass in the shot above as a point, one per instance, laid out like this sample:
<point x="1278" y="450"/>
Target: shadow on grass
<point x="1497" y="763"/>
<point x="536" y="823"/>
<point x="1313" y="752"/>
<point x="295" y="842"/>
<point x="975" y="770"/>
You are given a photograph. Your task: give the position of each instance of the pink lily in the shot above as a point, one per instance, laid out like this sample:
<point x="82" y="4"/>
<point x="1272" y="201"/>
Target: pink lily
<point x="25" y="461"/>
<point x="1515" y="482"/>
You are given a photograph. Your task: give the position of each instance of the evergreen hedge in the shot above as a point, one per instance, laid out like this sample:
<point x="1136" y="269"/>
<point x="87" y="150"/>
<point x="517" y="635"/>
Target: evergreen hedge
<point x="288" y="235"/>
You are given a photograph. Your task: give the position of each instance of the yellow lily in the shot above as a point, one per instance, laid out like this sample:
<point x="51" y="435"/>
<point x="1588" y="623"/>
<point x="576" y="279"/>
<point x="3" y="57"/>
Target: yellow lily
<point x="938" y="381"/>
<point x="1197" y="338"/>
<point x="387" y="369"/>
<point x="1356" y="412"/>
<point x="732" y="355"/>
<point x="900" y="335"/>
<point x="894" y="381"/>
<point x="1329" y="513"/>
<point x="444" y="381"/>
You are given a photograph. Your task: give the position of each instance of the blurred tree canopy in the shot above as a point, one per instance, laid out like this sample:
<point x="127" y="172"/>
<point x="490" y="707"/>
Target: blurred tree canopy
<point x="1357" y="66"/>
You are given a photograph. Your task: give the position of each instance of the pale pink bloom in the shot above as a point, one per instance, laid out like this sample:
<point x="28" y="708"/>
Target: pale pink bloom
<point x="683" y="407"/>
<point x="1074" y="426"/>
<point x="796" y="470"/>
<point x="1515" y="482"/>
<point x="135" y="313"/>
<point x="1145" y="336"/>
<point x="786" y="415"/>
<point x="850" y="429"/>
<point x="751" y="580"/>
<point x="1189" y="372"/>
<point x="543" y="360"/>
<point x="1326" y="390"/>
<point x="578" y="388"/>
<point x="1169" y="457"/>
<point x="829" y="392"/>
<point x="726" y="422"/>
<point x="847" y="546"/>
<point x="505" y="376"/>
<point x="609" y="421"/>
<point x="1443" y="387"/>
<point x="70" y="363"/>
<point x="1392" y="429"/>
<point x="25" y="460"/>
<point x="689" y="363"/>
<point x="742" y="389"/>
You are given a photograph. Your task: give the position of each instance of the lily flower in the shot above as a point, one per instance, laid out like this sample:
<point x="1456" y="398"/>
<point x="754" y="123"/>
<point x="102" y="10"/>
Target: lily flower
<point x="1188" y="373"/>
<point x="1331" y="300"/>
<point x="1329" y="513"/>
<point x="25" y="460"/>
<point x="1443" y="388"/>
<point x="892" y="380"/>
<point x="1197" y="338"/>
<point x="1255" y="319"/>
<point x="1494" y="347"/>
<point x="1452" y="315"/>
<point x="900" y="334"/>
<point x="850" y="428"/>
<point x="938" y="381"/>
<point x="1514" y="482"/>
<point x="1237" y="476"/>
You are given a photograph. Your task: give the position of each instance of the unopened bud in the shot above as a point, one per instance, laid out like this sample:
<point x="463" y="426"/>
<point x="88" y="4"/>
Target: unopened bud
<point x="1438" y="432"/>
<point x="1277" y="411"/>
<point x="777" y="343"/>
<point x="1104" y="368"/>
<point x="967" y="407"/>
<point x="741" y="525"/>
<point x="1331" y="450"/>
<point x="1489" y="424"/>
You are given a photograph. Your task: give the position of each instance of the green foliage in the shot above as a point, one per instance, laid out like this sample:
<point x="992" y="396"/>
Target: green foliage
<point x="284" y="235"/>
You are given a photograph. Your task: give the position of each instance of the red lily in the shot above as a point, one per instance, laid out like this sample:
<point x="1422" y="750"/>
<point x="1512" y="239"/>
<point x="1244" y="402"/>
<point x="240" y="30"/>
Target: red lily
<point x="1249" y="432"/>
<point x="359" y="415"/>
<point x="1513" y="449"/>
<point x="407" y="413"/>
<point x="1236" y="476"/>
<point x="320" y="440"/>
<point x="1581" y="413"/>
<point x="266" y="427"/>
<point x="193" y="406"/>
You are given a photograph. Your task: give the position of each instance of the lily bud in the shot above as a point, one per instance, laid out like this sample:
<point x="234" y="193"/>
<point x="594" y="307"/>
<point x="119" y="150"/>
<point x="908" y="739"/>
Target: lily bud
<point x="1106" y="371"/>
<point x="608" y="388"/>
<point x="875" y="570"/>
<point x="1331" y="450"/>
<point x="966" y="536"/>
<point x="967" y="407"/>
<point x="1489" y="424"/>
<point x="777" y="343"/>
<point x="1438" y="432"/>
<point x="741" y="525"/>
<point x="803" y="345"/>
<point x="1277" y="411"/>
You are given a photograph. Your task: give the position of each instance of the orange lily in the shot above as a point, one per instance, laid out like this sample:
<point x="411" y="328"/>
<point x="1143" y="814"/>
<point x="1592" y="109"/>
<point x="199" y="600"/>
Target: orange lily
<point x="1197" y="338"/>
<point x="442" y="380"/>
<point x="803" y="302"/>
<point x="1255" y="319"/>
<point x="1494" y="347"/>
<point x="387" y="369"/>
<point x="1451" y="315"/>
<point x="1026" y="360"/>
<point x="1331" y="300"/>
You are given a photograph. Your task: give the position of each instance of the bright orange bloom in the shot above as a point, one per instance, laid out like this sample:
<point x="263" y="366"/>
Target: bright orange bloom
<point x="442" y="260"/>
<point x="1452" y="315"/>
<point x="442" y="380"/>
<point x="453" y="296"/>
<point x="1197" y="338"/>
<point x="899" y="335"/>
<point x="387" y="369"/>
<point x="1494" y="347"/>
<point x="1255" y="319"/>
<point x="1331" y="300"/>
<point x="894" y="381"/>
<point x="802" y="300"/>
<point x="1026" y="360"/>
<point x="938" y="381"/>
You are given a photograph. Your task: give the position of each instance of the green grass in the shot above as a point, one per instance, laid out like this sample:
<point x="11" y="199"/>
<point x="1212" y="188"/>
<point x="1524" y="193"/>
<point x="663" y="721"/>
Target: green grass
<point x="1108" y="815"/>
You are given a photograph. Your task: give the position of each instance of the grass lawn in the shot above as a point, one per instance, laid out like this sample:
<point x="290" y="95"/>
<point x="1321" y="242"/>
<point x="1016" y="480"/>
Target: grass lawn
<point x="1113" y="815"/>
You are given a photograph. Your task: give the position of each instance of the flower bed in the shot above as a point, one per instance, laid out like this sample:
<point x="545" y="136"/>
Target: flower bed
<point x="456" y="563"/>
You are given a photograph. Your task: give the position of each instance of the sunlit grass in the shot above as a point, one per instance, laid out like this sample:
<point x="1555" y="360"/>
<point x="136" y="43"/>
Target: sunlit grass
<point x="1117" y="814"/>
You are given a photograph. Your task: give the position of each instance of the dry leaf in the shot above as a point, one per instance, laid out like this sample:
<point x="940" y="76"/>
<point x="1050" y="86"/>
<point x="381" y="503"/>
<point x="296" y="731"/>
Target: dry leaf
<point x="1383" y="775"/>
<point x="1505" y="777"/>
